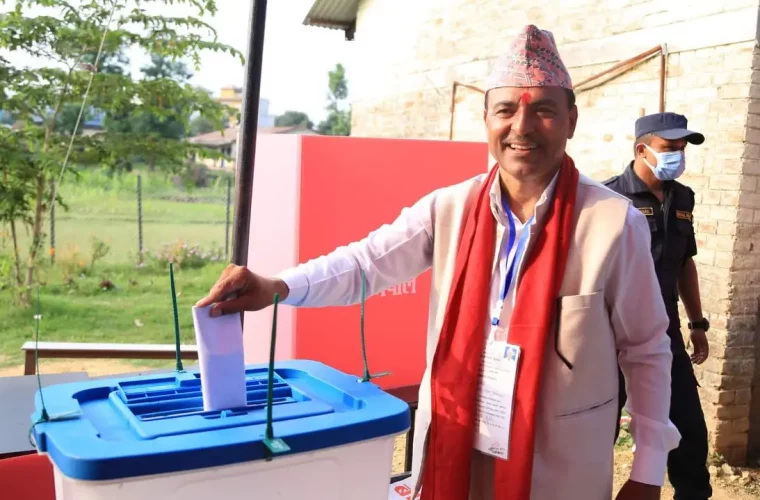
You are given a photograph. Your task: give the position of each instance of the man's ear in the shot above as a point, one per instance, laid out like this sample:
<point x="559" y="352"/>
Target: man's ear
<point x="573" y="121"/>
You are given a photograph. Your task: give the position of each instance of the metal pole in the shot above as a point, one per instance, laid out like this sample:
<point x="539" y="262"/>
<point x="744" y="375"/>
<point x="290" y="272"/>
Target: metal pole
<point x="227" y="222"/>
<point x="247" y="133"/>
<point x="52" y="221"/>
<point x="663" y="69"/>
<point x="139" y="220"/>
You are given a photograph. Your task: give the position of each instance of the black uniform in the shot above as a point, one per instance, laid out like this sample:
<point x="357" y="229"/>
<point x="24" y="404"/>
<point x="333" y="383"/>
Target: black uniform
<point x="673" y="243"/>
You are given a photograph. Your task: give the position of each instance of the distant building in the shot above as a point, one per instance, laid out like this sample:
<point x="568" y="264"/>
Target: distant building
<point x="226" y="142"/>
<point x="233" y="96"/>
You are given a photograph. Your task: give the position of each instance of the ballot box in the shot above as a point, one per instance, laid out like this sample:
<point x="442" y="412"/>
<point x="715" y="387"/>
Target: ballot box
<point x="312" y="194"/>
<point x="148" y="437"/>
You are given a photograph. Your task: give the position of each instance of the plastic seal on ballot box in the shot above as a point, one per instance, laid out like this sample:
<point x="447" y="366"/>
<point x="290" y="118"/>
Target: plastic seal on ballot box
<point x="221" y="359"/>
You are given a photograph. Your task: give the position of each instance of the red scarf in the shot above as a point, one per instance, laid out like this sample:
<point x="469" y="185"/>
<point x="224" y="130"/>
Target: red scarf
<point x="456" y="365"/>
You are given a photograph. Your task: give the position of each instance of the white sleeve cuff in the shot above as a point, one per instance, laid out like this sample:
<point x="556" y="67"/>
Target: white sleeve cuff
<point x="298" y="285"/>
<point x="649" y="465"/>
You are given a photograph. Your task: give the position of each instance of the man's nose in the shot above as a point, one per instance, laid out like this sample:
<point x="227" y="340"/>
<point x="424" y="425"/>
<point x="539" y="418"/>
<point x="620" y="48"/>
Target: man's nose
<point x="524" y="121"/>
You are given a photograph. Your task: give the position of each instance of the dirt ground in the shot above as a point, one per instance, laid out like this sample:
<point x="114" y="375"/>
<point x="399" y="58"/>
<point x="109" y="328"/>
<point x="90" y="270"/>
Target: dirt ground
<point x="94" y="367"/>
<point x="723" y="488"/>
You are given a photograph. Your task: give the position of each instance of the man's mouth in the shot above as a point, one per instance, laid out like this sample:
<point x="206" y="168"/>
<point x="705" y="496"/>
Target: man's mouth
<point x="521" y="146"/>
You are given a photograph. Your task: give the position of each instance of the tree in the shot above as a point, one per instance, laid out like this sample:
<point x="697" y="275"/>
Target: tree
<point x="293" y="119"/>
<point x="163" y="120"/>
<point x="72" y="36"/>
<point x="338" y="121"/>
<point x="202" y="125"/>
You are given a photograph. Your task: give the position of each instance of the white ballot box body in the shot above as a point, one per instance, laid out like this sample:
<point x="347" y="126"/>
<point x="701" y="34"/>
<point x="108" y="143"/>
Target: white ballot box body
<point x="149" y="438"/>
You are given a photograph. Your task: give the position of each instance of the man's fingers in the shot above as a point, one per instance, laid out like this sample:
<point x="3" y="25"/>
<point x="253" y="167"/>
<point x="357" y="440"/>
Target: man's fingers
<point x="231" y="306"/>
<point x="220" y="291"/>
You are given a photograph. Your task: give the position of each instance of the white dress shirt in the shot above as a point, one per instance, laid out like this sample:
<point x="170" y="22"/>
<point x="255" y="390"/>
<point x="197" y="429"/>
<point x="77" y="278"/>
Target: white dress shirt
<point x="400" y="251"/>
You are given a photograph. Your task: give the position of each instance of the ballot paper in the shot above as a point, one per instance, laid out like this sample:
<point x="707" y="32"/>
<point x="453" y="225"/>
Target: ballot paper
<point x="495" y="403"/>
<point x="221" y="359"/>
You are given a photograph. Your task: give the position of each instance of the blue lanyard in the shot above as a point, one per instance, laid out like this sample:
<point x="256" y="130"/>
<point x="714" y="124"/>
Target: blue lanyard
<point x="510" y="266"/>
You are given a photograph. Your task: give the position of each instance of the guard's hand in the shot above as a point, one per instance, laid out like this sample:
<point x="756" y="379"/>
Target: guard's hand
<point x="632" y="490"/>
<point x="700" y="346"/>
<point x="238" y="289"/>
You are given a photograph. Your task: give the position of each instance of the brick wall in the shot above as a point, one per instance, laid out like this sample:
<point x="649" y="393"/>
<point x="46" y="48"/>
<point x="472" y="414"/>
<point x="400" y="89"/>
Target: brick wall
<point x="405" y="91"/>
<point x="747" y="250"/>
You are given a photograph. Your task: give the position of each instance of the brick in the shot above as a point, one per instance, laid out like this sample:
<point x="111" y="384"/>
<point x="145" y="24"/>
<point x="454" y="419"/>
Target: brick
<point x="733" y="91"/>
<point x="732" y="165"/>
<point x="726" y="439"/>
<point x="745" y="215"/>
<point x="742" y="340"/>
<point x="730" y="198"/>
<point x="745" y="230"/>
<point x="735" y="455"/>
<point x="719" y="243"/>
<point x="752" y="151"/>
<point x="751" y="167"/>
<point x="738" y="367"/>
<point x="743" y="396"/>
<point x="733" y="426"/>
<point x="725" y="181"/>
<point x="708" y="227"/>
<point x="725" y="228"/>
<point x="732" y="412"/>
<point x="721" y="213"/>
<point x="748" y="183"/>
<point x="714" y="396"/>
<point x="711" y="197"/>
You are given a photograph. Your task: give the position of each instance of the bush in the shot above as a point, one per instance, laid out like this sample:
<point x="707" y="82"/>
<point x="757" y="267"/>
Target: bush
<point x="184" y="256"/>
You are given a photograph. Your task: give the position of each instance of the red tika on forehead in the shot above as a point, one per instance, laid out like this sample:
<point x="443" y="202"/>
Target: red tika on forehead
<point x="525" y="98"/>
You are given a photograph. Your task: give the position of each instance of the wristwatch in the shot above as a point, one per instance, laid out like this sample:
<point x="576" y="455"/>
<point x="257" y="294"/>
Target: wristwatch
<point x="702" y="324"/>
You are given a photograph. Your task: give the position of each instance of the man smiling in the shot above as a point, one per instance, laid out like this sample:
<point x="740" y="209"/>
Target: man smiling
<point x="531" y="258"/>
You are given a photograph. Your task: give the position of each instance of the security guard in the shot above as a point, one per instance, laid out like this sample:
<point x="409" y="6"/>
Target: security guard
<point x="649" y="181"/>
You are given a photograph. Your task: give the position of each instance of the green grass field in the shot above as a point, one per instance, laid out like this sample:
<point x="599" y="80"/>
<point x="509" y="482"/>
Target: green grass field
<point x="138" y="309"/>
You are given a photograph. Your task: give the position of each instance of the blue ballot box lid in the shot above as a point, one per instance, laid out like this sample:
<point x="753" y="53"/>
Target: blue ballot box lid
<point x="127" y="427"/>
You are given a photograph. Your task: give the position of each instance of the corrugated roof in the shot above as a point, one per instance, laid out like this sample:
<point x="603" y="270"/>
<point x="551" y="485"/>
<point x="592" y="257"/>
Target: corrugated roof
<point x="230" y="135"/>
<point x="333" y="14"/>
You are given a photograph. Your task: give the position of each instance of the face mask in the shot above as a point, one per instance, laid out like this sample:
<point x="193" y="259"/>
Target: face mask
<point x="670" y="164"/>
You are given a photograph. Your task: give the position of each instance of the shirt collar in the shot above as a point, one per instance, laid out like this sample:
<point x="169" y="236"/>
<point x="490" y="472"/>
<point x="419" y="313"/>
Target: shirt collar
<point x="633" y="184"/>
<point x="541" y="206"/>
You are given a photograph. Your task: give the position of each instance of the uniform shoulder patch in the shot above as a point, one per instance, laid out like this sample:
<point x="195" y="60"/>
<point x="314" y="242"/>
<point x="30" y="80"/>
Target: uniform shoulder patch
<point x="684" y="215"/>
<point x="646" y="210"/>
<point x="610" y="180"/>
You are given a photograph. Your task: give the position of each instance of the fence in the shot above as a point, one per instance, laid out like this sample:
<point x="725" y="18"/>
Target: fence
<point x="138" y="215"/>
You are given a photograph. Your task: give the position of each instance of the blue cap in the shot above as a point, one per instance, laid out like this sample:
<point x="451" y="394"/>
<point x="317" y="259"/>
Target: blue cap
<point x="669" y="126"/>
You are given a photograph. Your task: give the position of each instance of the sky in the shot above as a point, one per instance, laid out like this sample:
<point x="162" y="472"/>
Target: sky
<point x="296" y="61"/>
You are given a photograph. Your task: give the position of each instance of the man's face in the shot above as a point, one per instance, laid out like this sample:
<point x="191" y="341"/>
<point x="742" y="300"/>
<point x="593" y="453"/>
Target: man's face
<point x="661" y="146"/>
<point x="528" y="129"/>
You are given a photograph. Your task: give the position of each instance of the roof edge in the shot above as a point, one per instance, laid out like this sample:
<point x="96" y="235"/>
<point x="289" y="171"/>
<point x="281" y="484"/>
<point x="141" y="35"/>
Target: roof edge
<point x="333" y="14"/>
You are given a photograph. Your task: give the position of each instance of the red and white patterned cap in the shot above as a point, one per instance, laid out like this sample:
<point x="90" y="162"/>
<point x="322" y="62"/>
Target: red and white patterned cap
<point x="532" y="60"/>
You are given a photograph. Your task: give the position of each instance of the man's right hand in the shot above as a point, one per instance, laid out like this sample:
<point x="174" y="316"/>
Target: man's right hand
<point x="238" y="289"/>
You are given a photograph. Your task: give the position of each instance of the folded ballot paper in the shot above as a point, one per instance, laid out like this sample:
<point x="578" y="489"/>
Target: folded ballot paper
<point x="221" y="360"/>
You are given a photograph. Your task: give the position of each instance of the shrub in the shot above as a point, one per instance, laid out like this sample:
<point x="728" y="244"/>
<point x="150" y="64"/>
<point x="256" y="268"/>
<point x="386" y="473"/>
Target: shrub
<point x="184" y="255"/>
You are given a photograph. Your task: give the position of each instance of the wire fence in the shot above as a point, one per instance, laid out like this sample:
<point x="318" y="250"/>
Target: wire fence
<point x="133" y="218"/>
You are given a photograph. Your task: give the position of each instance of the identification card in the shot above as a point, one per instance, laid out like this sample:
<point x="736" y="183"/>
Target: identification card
<point x="498" y="373"/>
